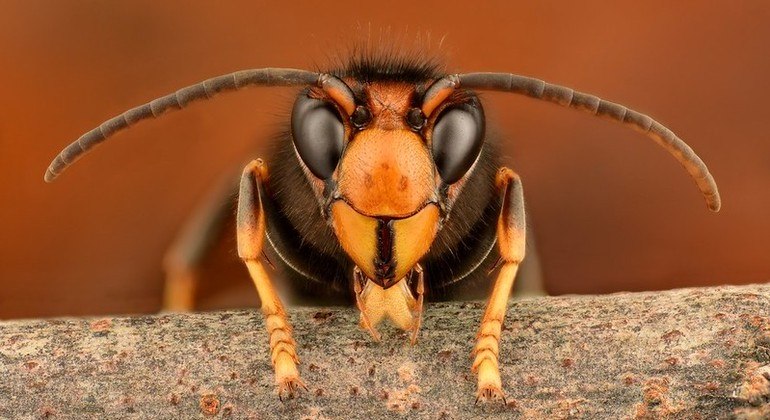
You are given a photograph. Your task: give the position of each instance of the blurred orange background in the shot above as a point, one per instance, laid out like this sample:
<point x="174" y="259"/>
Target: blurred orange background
<point x="611" y="210"/>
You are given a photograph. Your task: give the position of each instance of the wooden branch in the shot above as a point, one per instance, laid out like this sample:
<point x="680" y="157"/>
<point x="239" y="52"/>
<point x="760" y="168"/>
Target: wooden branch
<point x="692" y="353"/>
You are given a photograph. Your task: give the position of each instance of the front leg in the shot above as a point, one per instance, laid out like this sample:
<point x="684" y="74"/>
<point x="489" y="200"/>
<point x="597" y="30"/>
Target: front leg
<point x="511" y="231"/>
<point x="251" y="234"/>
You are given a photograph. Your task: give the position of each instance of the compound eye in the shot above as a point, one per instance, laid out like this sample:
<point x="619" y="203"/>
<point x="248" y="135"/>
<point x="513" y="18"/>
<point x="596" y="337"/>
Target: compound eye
<point x="318" y="135"/>
<point x="457" y="139"/>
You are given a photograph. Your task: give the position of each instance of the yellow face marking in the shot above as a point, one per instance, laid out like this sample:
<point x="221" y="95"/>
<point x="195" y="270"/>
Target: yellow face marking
<point x="413" y="237"/>
<point x="357" y="234"/>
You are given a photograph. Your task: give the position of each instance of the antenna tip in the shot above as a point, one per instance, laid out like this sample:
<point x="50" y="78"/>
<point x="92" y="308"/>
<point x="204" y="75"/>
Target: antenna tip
<point x="715" y="204"/>
<point x="49" y="176"/>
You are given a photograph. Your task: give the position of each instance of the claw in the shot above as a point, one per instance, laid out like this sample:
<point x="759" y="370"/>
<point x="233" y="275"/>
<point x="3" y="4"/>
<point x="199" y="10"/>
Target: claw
<point x="291" y="387"/>
<point x="287" y="376"/>
<point x="489" y="385"/>
<point x="490" y="393"/>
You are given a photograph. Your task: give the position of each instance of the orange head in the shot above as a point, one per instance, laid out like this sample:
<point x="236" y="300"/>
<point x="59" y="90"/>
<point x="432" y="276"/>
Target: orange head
<point x="384" y="171"/>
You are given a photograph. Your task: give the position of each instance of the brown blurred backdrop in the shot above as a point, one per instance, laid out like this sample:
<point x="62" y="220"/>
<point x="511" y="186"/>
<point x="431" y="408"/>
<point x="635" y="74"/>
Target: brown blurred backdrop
<point x="612" y="211"/>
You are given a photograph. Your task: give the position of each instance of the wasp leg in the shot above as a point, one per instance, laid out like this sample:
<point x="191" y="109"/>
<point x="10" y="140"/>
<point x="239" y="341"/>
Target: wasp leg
<point x="251" y="234"/>
<point x="364" y="323"/>
<point x="417" y="312"/>
<point x="196" y="238"/>
<point x="511" y="230"/>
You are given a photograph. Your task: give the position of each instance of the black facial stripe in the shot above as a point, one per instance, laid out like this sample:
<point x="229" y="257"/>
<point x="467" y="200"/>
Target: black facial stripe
<point x="384" y="266"/>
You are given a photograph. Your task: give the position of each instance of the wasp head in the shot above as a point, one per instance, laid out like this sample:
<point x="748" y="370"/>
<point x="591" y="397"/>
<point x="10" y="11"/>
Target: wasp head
<point x="385" y="167"/>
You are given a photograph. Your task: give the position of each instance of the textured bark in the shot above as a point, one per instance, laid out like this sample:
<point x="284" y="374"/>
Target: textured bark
<point x="681" y="354"/>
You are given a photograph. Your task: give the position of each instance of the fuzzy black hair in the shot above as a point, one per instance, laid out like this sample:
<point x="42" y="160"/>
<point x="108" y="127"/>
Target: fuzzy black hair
<point x="394" y="58"/>
<point x="393" y="67"/>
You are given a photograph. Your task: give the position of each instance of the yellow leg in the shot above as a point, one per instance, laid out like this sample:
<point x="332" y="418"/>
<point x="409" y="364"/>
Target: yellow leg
<point x="511" y="232"/>
<point x="179" y="292"/>
<point x="283" y="352"/>
<point x="251" y="233"/>
<point x="191" y="245"/>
